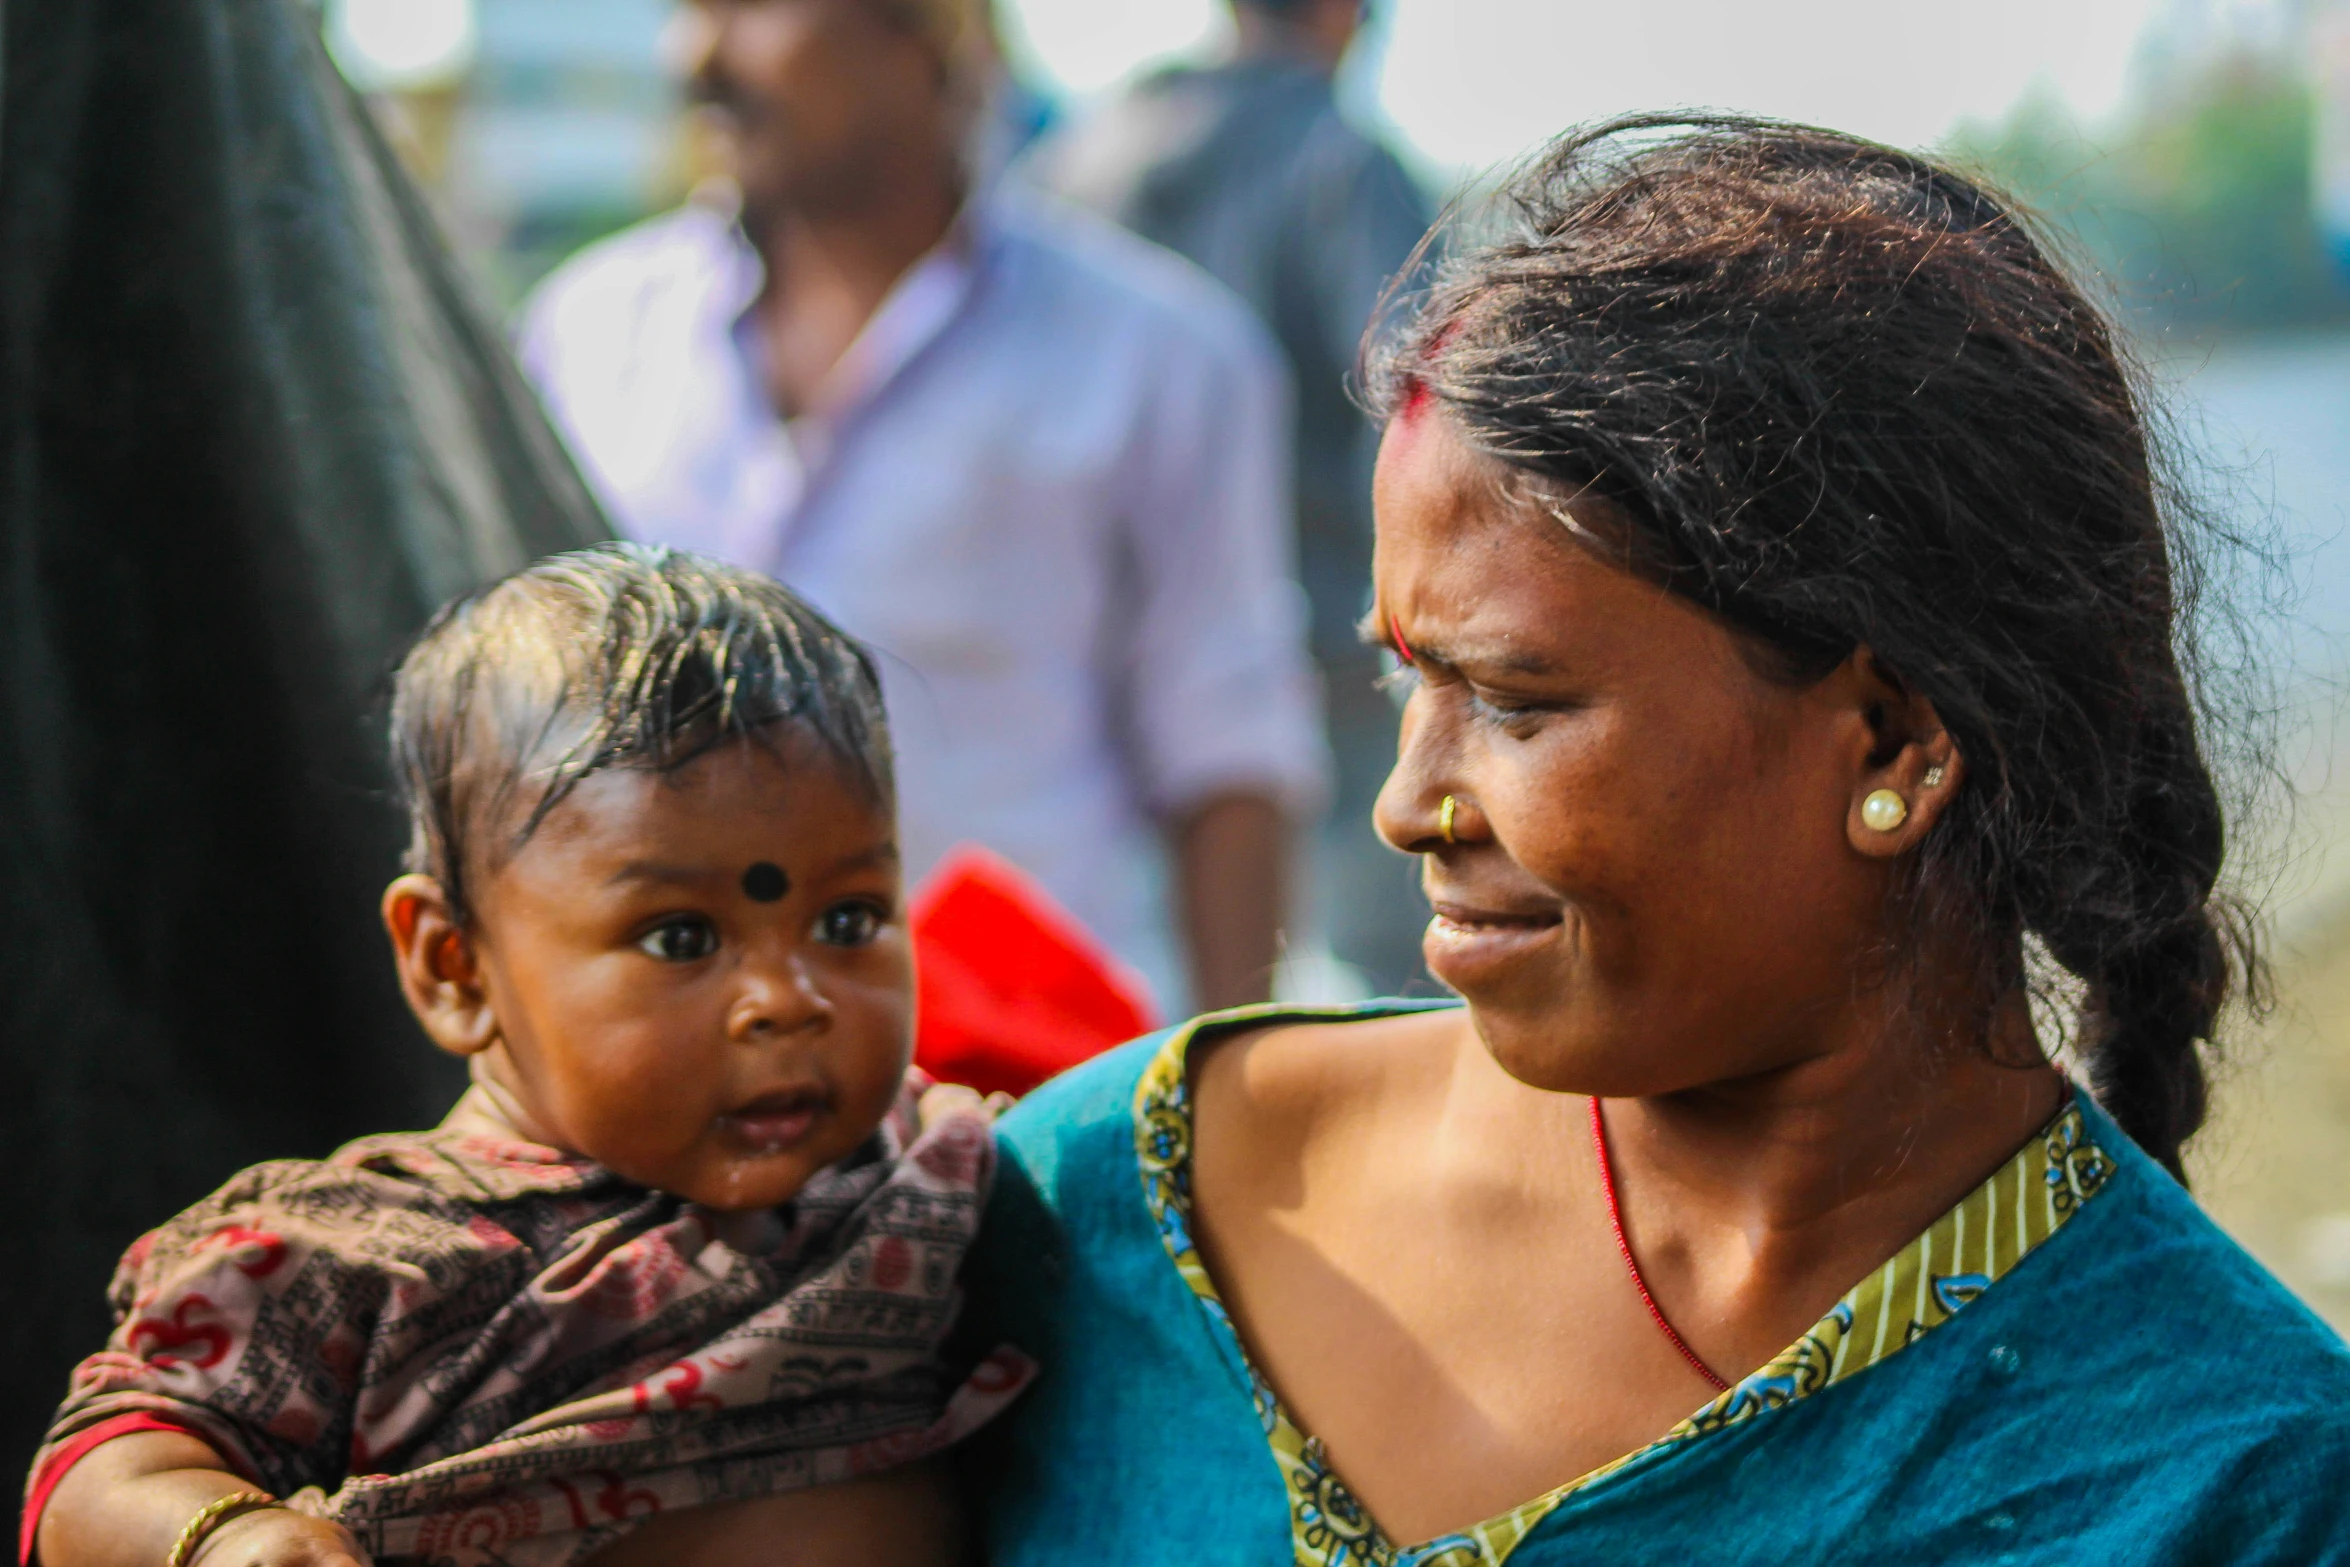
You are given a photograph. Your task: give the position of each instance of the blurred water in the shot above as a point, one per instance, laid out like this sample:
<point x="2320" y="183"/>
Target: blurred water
<point x="2272" y="419"/>
<point x="2267" y="422"/>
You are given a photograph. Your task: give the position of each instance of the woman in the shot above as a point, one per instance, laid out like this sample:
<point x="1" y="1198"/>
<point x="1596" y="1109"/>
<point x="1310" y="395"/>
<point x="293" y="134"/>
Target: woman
<point x="1769" y="532"/>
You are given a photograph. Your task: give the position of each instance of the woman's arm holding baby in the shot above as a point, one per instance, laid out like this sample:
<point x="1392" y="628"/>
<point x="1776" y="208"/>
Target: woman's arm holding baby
<point x="125" y="1503"/>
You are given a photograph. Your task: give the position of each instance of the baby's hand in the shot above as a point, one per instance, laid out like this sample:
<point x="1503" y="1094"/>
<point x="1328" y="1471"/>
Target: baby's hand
<point x="279" y="1537"/>
<point x="943" y="1100"/>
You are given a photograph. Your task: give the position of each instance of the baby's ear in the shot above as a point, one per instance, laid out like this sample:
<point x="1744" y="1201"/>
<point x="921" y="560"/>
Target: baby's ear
<point x="438" y="970"/>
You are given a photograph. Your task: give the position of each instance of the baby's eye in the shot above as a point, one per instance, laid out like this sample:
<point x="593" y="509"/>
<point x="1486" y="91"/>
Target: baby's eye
<point x="687" y="939"/>
<point x="849" y="924"/>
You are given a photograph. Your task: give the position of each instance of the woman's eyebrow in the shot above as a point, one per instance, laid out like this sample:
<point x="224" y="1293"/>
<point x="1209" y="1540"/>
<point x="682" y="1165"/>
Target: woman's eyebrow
<point x="1377" y="630"/>
<point x="1520" y="661"/>
<point x="1380" y="629"/>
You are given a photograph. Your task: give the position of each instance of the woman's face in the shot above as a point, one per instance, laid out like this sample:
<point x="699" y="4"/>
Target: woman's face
<point x="1656" y="883"/>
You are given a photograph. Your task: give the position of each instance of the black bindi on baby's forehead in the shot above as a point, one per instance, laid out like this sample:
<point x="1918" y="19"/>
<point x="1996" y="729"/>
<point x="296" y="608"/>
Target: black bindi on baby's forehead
<point x="765" y="882"/>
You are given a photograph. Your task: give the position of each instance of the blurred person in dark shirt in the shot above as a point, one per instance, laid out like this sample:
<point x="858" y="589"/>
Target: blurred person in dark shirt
<point x="1248" y="167"/>
<point x="251" y="433"/>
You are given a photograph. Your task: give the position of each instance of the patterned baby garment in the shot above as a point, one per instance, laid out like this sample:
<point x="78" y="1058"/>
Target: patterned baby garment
<point x="470" y="1349"/>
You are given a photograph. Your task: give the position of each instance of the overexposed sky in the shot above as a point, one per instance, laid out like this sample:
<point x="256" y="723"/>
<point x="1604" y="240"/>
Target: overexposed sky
<point x="1470" y="82"/>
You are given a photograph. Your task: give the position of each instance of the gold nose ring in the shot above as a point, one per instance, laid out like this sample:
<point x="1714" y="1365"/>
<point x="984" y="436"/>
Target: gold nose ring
<point x="1444" y="816"/>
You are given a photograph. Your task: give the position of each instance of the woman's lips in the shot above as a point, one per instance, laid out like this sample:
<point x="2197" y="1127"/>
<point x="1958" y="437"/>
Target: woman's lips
<point x="776" y="1121"/>
<point x="1463" y="941"/>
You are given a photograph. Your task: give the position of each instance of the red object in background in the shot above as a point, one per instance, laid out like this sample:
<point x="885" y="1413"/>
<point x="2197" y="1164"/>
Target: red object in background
<point x="1011" y="988"/>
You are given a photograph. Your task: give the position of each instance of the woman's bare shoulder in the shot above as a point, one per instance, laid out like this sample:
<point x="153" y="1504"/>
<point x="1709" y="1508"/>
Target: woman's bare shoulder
<point x="1293" y="1077"/>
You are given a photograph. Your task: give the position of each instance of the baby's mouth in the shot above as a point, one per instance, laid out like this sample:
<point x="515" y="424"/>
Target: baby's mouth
<point x="776" y="1121"/>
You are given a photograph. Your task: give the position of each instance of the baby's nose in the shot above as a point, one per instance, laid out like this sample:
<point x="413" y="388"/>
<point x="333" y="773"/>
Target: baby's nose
<point x="779" y="997"/>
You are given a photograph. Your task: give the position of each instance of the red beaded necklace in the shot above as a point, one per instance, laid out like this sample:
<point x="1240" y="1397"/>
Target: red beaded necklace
<point x="1615" y="1218"/>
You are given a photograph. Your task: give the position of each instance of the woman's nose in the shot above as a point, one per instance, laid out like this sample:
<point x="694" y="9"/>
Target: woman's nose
<point x="778" y="996"/>
<point x="1409" y="813"/>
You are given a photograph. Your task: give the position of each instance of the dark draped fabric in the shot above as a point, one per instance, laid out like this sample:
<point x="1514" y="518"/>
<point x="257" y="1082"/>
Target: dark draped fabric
<point x="252" y="430"/>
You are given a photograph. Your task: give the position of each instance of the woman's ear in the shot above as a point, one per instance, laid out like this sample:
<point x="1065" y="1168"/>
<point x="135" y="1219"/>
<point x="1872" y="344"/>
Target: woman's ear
<point x="1911" y="770"/>
<point x="439" y="970"/>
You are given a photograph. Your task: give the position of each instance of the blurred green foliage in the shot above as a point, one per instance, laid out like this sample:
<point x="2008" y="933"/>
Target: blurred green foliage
<point x="2195" y="206"/>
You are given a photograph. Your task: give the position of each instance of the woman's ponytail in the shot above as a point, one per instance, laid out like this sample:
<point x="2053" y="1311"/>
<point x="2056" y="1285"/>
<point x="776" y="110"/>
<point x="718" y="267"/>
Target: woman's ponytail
<point x="2149" y="1017"/>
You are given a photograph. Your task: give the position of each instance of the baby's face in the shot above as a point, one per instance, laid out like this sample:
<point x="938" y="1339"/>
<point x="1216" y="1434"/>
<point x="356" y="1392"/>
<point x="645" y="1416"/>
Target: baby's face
<point x="702" y="979"/>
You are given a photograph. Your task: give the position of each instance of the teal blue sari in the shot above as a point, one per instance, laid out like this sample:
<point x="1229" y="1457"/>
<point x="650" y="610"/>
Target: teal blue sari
<point x="2073" y="1365"/>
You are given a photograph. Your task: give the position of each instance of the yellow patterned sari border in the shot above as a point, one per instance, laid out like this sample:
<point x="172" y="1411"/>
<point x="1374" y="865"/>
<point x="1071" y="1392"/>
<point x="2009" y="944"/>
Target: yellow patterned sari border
<point x="1954" y="1261"/>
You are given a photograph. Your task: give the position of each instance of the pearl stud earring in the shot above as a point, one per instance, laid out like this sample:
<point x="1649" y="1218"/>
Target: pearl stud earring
<point x="1883" y="810"/>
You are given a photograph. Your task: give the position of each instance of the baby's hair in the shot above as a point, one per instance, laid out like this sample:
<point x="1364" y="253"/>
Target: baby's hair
<point x="624" y="655"/>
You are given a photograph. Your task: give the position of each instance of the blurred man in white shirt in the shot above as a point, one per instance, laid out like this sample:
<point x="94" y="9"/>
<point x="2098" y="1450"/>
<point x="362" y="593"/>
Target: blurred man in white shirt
<point x="1040" y="466"/>
<point x="1248" y="166"/>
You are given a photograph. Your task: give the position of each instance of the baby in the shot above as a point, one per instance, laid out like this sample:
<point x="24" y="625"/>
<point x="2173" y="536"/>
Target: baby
<point x="673" y="1281"/>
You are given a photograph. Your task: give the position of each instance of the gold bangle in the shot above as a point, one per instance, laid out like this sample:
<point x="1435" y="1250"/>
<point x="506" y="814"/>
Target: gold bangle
<point x="210" y="1517"/>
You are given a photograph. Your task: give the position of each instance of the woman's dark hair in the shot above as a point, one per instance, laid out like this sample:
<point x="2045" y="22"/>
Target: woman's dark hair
<point x="625" y="655"/>
<point x="1842" y="396"/>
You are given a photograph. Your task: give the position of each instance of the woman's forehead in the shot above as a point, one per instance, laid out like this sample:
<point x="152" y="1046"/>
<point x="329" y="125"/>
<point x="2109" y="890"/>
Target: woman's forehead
<point x="1481" y="572"/>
